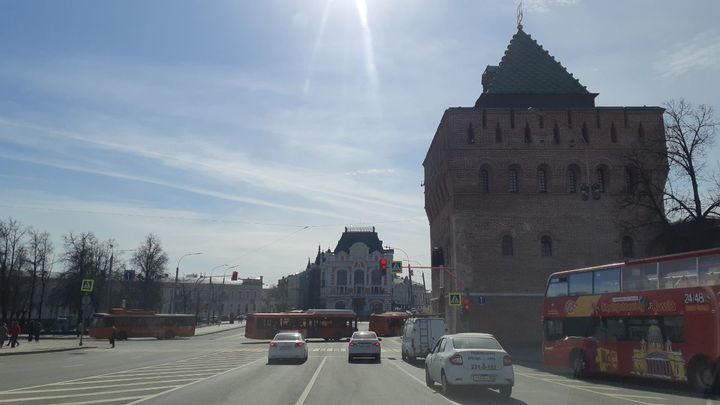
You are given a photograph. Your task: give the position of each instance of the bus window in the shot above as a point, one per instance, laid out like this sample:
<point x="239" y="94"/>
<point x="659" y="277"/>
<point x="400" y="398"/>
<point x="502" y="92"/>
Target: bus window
<point x="581" y="283"/>
<point x="606" y="281"/>
<point x="554" y="329"/>
<point x="709" y="267"/>
<point x="582" y="327"/>
<point x="672" y="328"/>
<point x="678" y="273"/>
<point x="615" y="328"/>
<point x="640" y="277"/>
<point x="558" y="287"/>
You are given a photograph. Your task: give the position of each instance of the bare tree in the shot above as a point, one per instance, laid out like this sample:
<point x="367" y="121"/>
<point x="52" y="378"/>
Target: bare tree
<point x="39" y="247"/>
<point x="151" y="261"/>
<point x="690" y="132"/>
<point x="12" y="257"/>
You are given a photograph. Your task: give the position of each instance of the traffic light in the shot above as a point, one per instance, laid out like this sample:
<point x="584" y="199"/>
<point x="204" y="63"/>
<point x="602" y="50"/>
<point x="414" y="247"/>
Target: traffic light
<point x="234" y="276"/>
<point x="438" y="258"/>
<point x="466" y="304"/>
<point x="383" y="266"/>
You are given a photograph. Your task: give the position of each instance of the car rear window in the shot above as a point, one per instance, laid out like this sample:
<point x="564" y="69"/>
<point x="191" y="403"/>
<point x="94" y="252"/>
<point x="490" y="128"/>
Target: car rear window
<point x="364" y="335"/>
<point x="476" y="343"/>
<point x="287" y="336"/>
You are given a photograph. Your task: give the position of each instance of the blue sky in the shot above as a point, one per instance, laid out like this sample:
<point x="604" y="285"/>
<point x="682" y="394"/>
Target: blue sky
<point x="254" y="131"/>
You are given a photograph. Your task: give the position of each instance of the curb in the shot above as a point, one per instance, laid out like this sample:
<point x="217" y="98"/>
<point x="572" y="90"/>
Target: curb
<point x="64" y="349"/>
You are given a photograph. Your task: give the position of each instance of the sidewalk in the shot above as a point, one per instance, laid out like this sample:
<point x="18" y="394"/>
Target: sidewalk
<point x="210" y="329"/>
<point x="61" y="343"/>
<point x="48" y="345"/>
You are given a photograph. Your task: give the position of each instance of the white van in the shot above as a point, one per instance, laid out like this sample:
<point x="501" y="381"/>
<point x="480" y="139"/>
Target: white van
<point x="420" y="335"/>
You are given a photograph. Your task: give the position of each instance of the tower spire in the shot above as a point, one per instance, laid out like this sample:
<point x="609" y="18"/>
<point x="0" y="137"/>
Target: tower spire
<point x="519" y="15"/>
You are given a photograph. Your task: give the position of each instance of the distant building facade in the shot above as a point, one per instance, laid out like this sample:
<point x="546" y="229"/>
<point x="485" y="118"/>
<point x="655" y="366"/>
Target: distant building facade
<point x="350" y="276"/>
<point x="531" y="180"/>
<point x="401" y="295"/>
<point x="217" y="297"/>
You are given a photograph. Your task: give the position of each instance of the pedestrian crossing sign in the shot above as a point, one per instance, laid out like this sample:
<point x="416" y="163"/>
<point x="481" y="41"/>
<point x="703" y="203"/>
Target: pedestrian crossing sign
<point x="397" y="267"/>
<point x="87" y="285"/>
<point x="454" y="299"/>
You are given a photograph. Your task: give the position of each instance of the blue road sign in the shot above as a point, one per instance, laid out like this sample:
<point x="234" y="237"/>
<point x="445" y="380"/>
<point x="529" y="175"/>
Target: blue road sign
<point x="481" y="299"/>
<point x="129" y="275"/>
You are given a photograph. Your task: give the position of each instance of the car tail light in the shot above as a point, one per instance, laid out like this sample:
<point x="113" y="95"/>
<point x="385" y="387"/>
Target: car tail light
<point x="456" y="360"/>
<point x="273" y="344"/>
<point x="299" y="344"/>
<point x="376" y="344"/>
<point x="352" y="344"/>
<point x="507" y="361"/>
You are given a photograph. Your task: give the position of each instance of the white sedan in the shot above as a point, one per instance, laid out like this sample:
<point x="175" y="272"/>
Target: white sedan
<point x="364" y="344"/>
<point x="470" y="359"/>
<point x="287" y="345"/>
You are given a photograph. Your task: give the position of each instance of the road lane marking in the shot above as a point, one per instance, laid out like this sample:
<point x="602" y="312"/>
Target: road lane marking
<point x="102" y="401"/>
<point x="103" y="386"/>
<point x="191" y="383"/>
<point x="609" y="395"/>
<point x="423" y="383"/>
<point x="310" y="384"/>
<point x="81" y="394"/>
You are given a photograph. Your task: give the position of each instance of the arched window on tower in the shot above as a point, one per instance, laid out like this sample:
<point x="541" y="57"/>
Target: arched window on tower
<point x="628" y="248"/>
<point x="513" y="180"/>
<point x="556" y="134"/>
<point x="507" y="245"/>
<point x="498" y="133"/>
<point x="641" y="134"/>
<point x="572" y="177"/>
<point x="471" y="135"/>
<point x="546" y="246"/>
<point x="613" y="133"/>
<point x="602" y="178"/>
<point x="542" y="180"/>
<point x="585" y="137"/>
<point x="484" y="180"/>
<point x="528" y="135"/>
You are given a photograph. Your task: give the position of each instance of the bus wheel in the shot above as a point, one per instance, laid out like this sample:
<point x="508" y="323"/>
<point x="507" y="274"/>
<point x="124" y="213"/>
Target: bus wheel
<point x="577" y="362"/>
<point x="702" y="375"/>
<point x="122" y="336"/>
<point x="169" y="335"/>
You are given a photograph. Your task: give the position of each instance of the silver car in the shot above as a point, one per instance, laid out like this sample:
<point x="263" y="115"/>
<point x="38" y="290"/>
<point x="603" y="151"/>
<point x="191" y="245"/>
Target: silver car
<point x="364" y="344"/>
<point x="287" y="345"/>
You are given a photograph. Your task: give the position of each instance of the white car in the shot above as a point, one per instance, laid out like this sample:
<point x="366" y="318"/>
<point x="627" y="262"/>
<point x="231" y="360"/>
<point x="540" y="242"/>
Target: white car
<point x="364" y="344"/>
<point x="470" y="359"/>
<point x="287" y="345"/>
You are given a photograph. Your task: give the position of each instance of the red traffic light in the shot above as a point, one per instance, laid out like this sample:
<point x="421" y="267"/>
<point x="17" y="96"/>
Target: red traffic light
<point x="383" y="266"/>
<point x="466" y="304"/>
<point x="234" y="276"/>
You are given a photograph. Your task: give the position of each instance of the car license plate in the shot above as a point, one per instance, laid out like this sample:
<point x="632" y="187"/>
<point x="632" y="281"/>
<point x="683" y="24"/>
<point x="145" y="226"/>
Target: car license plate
<point x="483" y="377"/>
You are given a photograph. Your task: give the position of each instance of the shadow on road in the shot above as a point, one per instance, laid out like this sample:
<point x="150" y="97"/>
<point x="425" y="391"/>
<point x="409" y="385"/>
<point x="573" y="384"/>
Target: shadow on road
<point x="476" y="395"/>
<point x="627" y="382"/>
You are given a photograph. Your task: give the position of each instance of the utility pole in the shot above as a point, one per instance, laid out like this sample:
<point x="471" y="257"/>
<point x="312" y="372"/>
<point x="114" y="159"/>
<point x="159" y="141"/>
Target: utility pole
<point x="109" y="278"/>
<point x="424" y="289"/>
<point x="412" y="295"/>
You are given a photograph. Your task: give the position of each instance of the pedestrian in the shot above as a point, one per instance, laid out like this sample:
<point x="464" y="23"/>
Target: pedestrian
<point x="113" y="336"/>
<point x="3" y="334"/>
<point x="14" y="332"/>
<point x="38" y="327"/>
<point x="30" y="329"/>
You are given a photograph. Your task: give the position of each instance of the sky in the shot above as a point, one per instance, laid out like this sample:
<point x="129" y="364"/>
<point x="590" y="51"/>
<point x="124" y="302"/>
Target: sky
<point x="254" y="132"/>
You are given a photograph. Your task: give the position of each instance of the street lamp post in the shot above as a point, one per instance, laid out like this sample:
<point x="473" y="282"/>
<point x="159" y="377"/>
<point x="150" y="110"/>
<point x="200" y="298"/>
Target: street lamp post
<point x="213" y="304"/>
<point x="177" y="271"/>
<point x="407" y="257"/>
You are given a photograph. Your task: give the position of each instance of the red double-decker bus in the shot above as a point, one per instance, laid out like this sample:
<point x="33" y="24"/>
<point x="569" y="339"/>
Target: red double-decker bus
<point x="656" y="317"/>
<point x="328" y="324"/>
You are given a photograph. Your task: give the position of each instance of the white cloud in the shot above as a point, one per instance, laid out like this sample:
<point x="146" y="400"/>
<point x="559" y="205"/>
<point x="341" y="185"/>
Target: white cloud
<point x="544" y="6"/>
<point x="700" y="53"/>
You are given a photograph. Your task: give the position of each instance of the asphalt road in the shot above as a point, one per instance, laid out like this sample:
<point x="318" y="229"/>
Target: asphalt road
<point x="226" y="368"/>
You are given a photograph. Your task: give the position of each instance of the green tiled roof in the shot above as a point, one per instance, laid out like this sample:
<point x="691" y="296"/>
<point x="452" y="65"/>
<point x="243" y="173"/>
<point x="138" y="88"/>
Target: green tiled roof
<point x="527" y="68"/>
